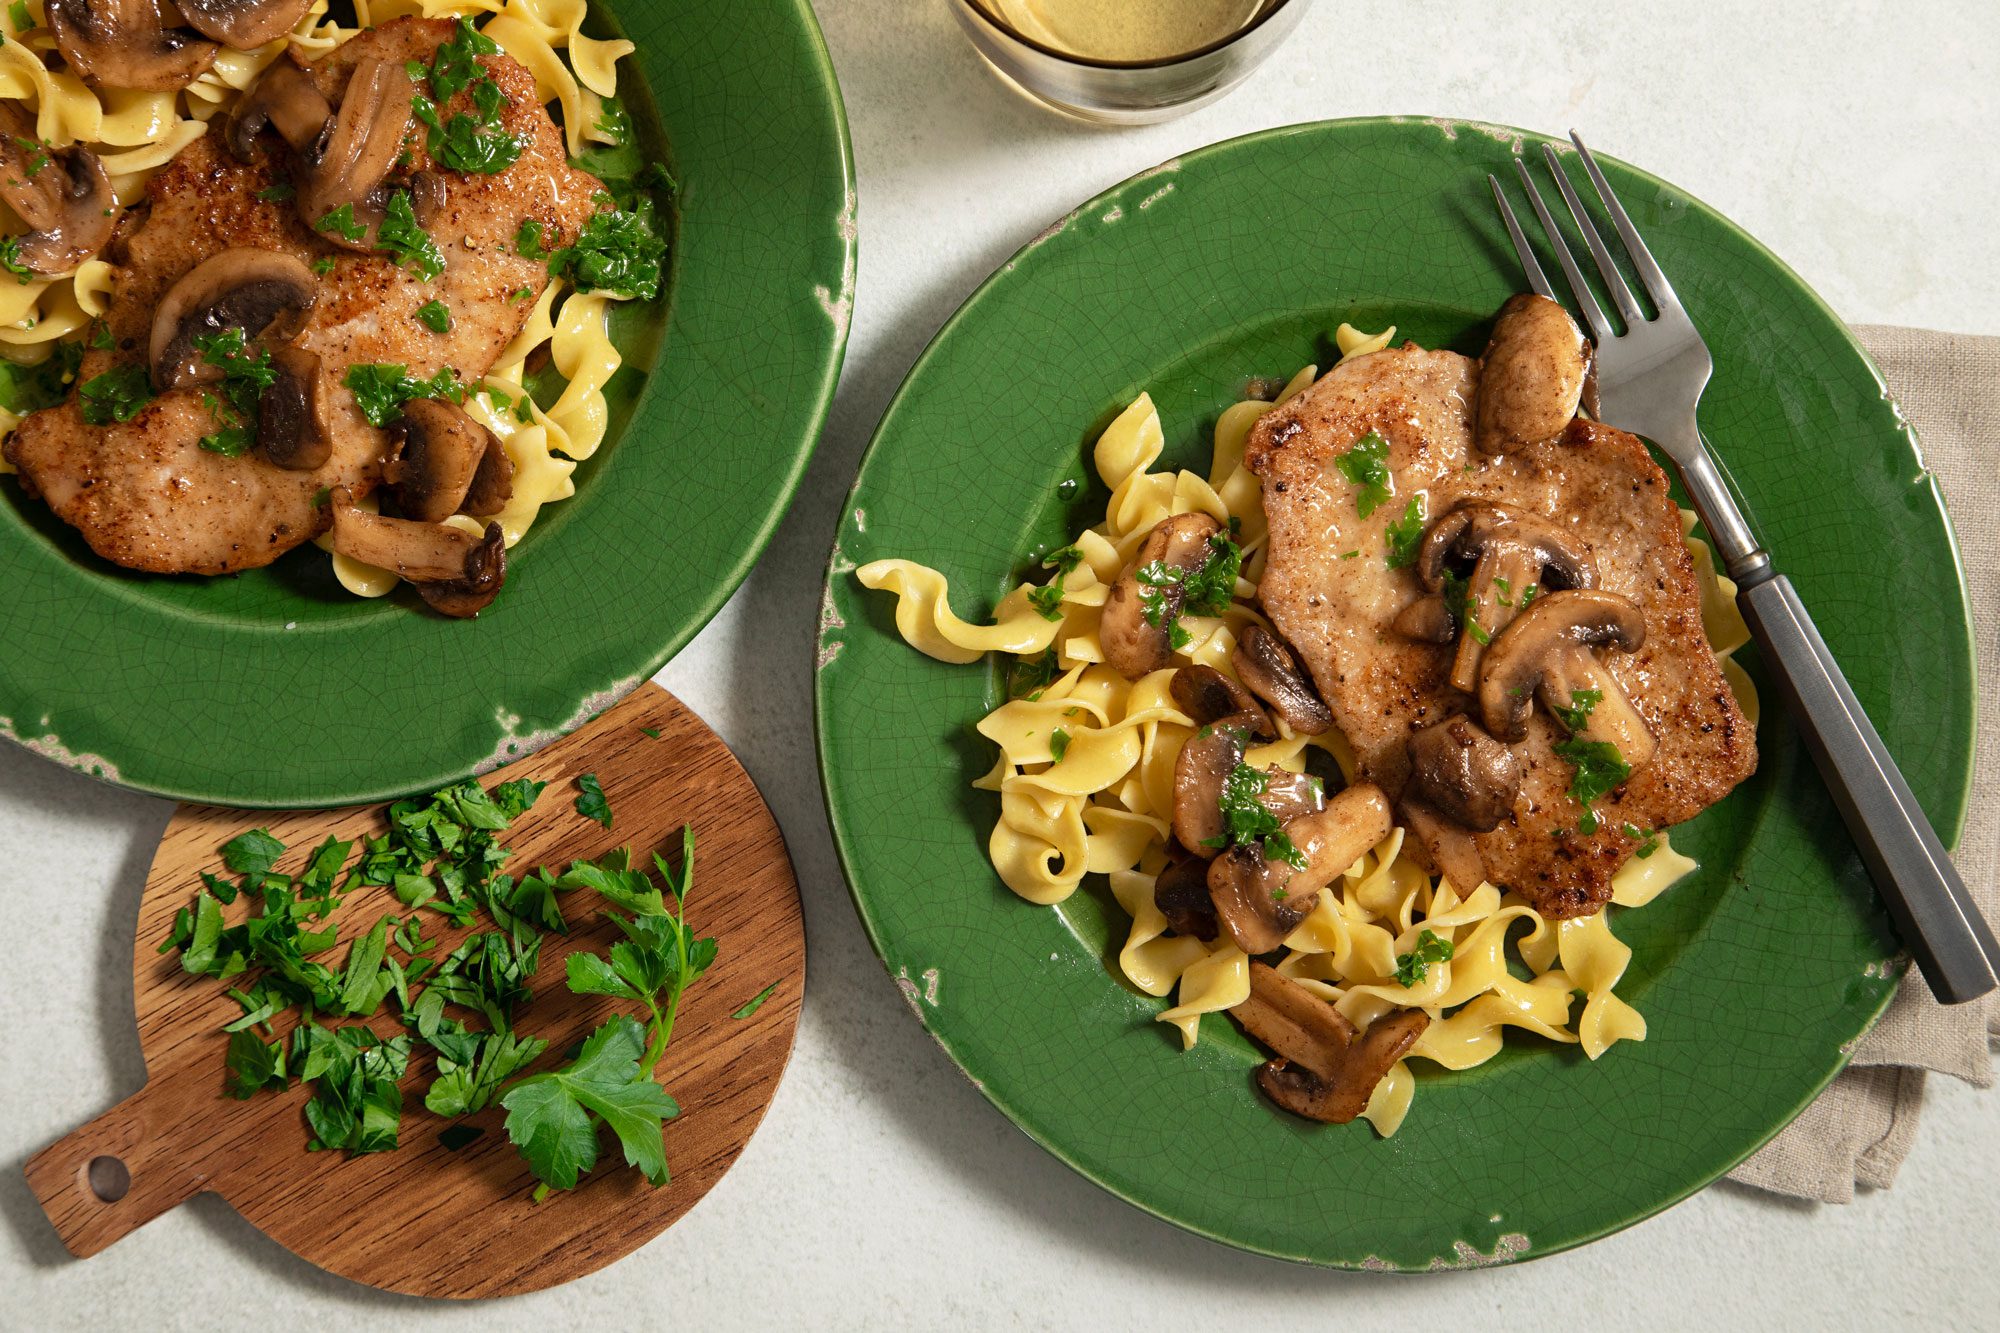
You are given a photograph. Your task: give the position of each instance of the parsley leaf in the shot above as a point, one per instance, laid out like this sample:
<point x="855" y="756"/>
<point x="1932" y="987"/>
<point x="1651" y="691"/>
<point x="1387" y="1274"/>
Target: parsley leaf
<point x="1406" y="535"/>
<point x="1577" y="716"/>
<point x="614" y="123"/>
<point x="591" y="804"/>
<point x="23" y="389"/>
<point x="1031" y="675"/>
<point x="1599" y="769"/>
<point x="119" y="394"/>
<point x="620" y="251"/>
<point x="10" y="260"/>
<point x="435" y="315"/>
<point x="1058" y="744"/>
<point x="549" y="1116"/>
<point x="756" y="1001"/>
<point x="1208" y="591"/>
<point x="18" y="13"/>
<point x="252" y="853"/>
<point x="1367" y="466"/>
<point x="342" y="223"/>
<point x="1411" y="967"/>
<point x="253" y="1064"/>
<point x="277" y="194"/>
<point x="1247" y="820"/>
<point x="405" y="241"/>
<point x="1047" y="599"/>
<point x="381" y="389"/>
<point x="323" y="265"/>
<point x="246" y="373"/>
<point x="528" y="240"/>
<point x="1062" y="560"/>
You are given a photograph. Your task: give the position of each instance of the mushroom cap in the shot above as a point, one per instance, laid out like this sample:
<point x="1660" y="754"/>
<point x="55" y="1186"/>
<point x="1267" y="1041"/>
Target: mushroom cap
<point x="266" y="294"/>
<point x="1253" y="903"/>
<point x="66" y="200"/>
<point x="1206" y="760"/>
<point x="352" y="160"/>
<point x="285" y="98"/>
<point x="1208" y="696"/>
<point x="492" y="484"/>
<point x="127" y="44"/>
<point x="1266" y="664"/>
<point x="1524" y="653"/>
<point x="1476" y="529"/>
<point x="243" y="25"/>
<point x="1133" y="646"/>
<point x="292" y="430"/>
<point x="441" y="454"/>
<point x="1463" y="773"/>
<point x="1532" y="376"/>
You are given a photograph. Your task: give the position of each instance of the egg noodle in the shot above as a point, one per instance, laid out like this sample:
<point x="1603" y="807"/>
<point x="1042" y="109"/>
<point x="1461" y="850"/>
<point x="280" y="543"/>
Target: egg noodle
<point x="136" y="133"/>
<point x="1085" y="777"/>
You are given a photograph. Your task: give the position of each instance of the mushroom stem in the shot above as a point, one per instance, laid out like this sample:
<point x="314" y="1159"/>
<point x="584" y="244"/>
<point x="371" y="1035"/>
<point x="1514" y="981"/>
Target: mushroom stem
<point x="1325" y="1069"/>
<point x="357" y="153"/>
<point x="1546" y="653"/>
<point x="286" y="99"/>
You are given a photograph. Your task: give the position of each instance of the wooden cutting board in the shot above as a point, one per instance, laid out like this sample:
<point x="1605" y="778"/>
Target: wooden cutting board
<point x="423" y="1219"/>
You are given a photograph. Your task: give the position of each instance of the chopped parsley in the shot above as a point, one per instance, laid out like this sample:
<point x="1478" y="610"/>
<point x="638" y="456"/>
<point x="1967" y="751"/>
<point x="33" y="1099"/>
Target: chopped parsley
<point x="246" y="373"/>
<point x="619" y="251"/>
<point x="528" y="240"/>
<point x="409" y="244"/>
<point x="1406" y="534"/>
<point x="277" y="194"/>
<point x="1246" y="820"/>
<point x="1031" y="675"/>
<point x="1063" y="559"/>
<point x="341" y="222"/>
<point x="24" y="388"/>
<point x="1649" y="841"/>
<point x="476" y="144"/>
<point x="1599" y="769"/>
<point x="119" y="394"/>
<point x="614" y="123"/>
<point x="1058" y="744"/>
<point x="435" y="315"/>
<point x="323" y="265"/>
<point x="591" y="803"/>
<point x="18" y="12"/>
<point x="100" y="337"/>
<point x="1503" y="590"/>
<point x="1577" y="715"/>
<point x="1047" y="600"/>
<point x="1208" y="591"/>
<point x="654" y="732"/>
<point x="1412" y="966"/>
<point x="10" y="259"/>
<point x="1367" y="466"/>
<point x="381" y="389"/>
<point x="756" y="1001"/>
<point x="38" y="154"/>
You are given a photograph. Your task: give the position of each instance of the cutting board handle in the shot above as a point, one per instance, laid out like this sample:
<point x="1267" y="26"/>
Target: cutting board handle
<point x="116" y="1174"/>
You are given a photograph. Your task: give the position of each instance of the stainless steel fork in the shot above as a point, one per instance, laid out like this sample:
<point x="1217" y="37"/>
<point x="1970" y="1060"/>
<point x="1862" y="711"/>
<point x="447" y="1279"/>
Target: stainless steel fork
<point x="1650" y="378"/>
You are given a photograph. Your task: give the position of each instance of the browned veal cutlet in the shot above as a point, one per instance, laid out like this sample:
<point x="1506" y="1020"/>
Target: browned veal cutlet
<point x="1605" y="493"/>
<point x="144" y="493"/>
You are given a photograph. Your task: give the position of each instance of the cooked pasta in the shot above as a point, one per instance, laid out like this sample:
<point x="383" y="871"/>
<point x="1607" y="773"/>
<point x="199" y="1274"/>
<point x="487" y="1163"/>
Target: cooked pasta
<point x="136" y="133"/>
<point x="1085" y="776"/>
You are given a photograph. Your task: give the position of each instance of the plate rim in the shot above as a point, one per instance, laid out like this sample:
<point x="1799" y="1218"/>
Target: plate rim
<point x="1451" y="127"/>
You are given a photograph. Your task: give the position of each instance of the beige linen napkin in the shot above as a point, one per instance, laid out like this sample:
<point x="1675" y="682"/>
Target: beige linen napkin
<point x="1862" y="1127"/>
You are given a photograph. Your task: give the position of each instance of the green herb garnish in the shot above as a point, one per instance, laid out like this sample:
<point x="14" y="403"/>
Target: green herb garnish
<point x="341" y="222"/>
<point x="1576" y="716"/>
<point x="1062" y="560"/>
<point x="1411" y="967"/>
<point x="614" y="123"/>
<point x="1599" y="769"/>
<point x="1367" y="466"/>
<point x="1047" y="599"/>
<point x="528" y="240"/>
<point x="591" y="804"/>
<point x="119" y="394"/>
<point x="1247" y="820"/>
<point x="435" y="315"/>
<point x="1058" y="744"/>
<point x="756" y="1001"/>
<point x="380" y="390"/>
<point x="1406" y="534"/>
<point x="1030" y="676"/>
<point x="246" y="373"/>
<point x="278" y="193"/>
<point x="10" y="259"/>
<point x="407" y="243"/>
<point x="619" y="251"/>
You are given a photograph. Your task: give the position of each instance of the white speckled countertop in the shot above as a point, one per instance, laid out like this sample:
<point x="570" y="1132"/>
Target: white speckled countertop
<point x="1855" y="140"/>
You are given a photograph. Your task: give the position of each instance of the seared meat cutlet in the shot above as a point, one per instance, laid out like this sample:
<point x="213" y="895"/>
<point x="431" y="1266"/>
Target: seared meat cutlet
<point x="143" y="492"/>
<point x="1607" y="496"/>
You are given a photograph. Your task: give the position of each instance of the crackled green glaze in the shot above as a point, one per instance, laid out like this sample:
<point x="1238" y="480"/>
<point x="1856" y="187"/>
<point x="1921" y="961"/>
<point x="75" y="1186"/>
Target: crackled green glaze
<point x="276" y="688"/>
<point x="1754" y="975"/>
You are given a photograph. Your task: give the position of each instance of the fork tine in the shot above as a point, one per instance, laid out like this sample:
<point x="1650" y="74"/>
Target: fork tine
<point x="1536" y="278"/>
<point x="1607" y="268"/>
<point x="1593" y="314"/>
<point x="1655" y="281"/>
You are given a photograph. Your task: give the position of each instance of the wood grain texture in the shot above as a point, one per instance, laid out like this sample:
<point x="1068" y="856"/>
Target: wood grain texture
<point x="422" y="1219"/>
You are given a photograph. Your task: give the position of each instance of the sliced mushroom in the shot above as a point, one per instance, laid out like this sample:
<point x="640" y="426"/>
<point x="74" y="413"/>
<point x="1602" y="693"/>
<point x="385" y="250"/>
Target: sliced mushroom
<point x="457" y="573"/>
<point x="1325" y="1070"/>
<point x="1531" y="378"/>
<point x="1206" y="696"/>
<point x="493" y="484"/>
<point x="1268" y="666"/>
<point x="441" y="454"/>
<point x="284" y="98"/>
<point x="352" y="161"/>
<point x="1181" y="894"/>
<point x="1133" y="644"/>
<point x="1513" y="552"/>
<point x="1547" y="651"/>
<point x="1446" y="844"/>
<point x="1260" y="900"/>
<point x="292" y="430"/>
<point x="243" y="25"/>
<point x="128" y="44"/>
<point x="1463" y="773"/>
<point x="1201" y="771"/>
<point x="265" y="294"/>
<point x="62" y="194"/>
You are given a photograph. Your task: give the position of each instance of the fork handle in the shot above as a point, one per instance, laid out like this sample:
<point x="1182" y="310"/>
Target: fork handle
<point x="1933" y="911"/>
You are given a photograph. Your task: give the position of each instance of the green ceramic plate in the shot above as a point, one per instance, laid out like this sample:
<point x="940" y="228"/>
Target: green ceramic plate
<point x="276" y="688"/>
<point x="1754" y="976"/>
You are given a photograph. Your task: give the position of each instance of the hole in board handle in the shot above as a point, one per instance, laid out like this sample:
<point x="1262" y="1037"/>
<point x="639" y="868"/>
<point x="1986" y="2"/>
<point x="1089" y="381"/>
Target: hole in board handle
<point x="109" y="1178"/>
